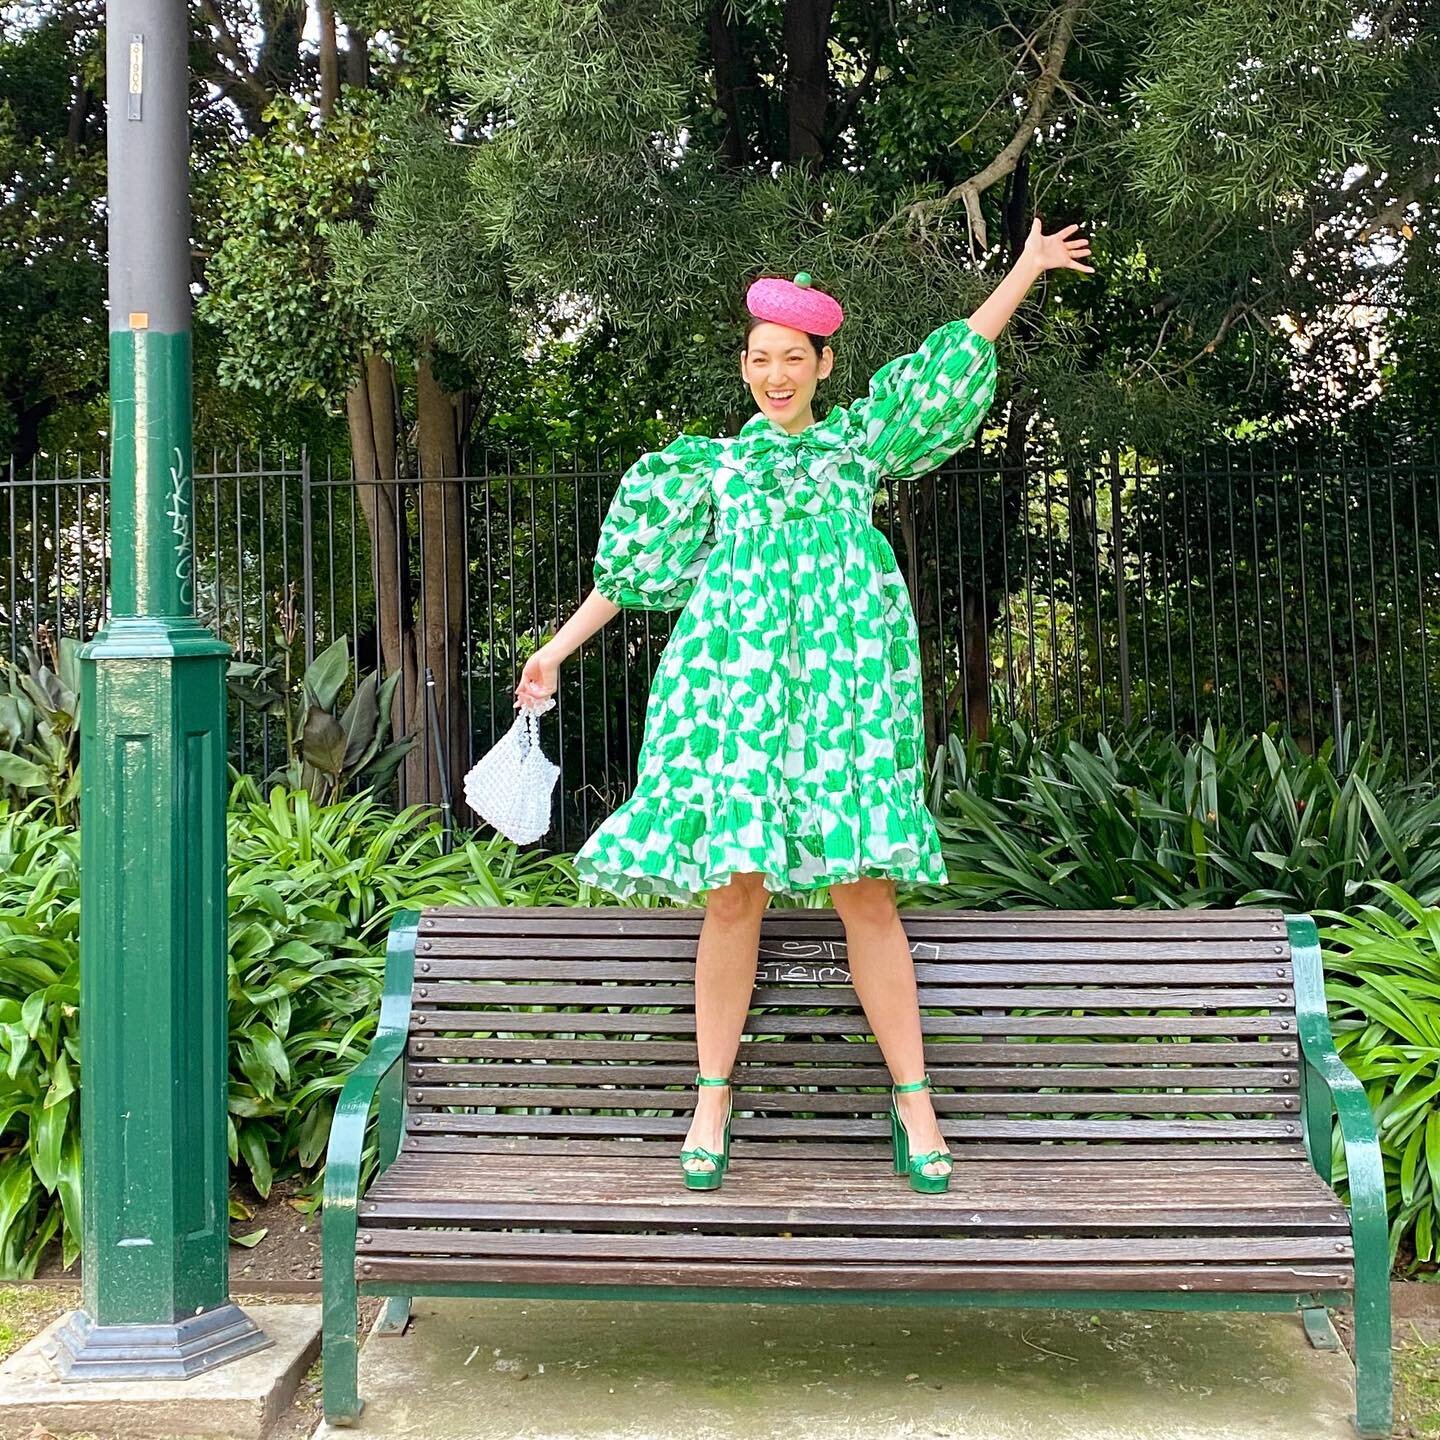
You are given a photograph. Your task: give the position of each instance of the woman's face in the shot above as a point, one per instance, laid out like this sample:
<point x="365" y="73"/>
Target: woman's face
<point x="782" y="370"/>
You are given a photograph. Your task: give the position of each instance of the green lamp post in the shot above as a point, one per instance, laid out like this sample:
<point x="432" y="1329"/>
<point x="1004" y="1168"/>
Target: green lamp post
<point x="154" y="1246"/>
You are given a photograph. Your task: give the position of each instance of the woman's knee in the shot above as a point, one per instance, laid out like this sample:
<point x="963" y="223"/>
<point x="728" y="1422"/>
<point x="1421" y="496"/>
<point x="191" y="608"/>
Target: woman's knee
<point x="744" y="897"/>
<point x="867" y="901"/>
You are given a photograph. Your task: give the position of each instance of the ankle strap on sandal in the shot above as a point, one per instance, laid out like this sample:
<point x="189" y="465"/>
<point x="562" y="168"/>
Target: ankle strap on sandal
<point x="913" y="1085"/>
<point x="712" y="1080"/>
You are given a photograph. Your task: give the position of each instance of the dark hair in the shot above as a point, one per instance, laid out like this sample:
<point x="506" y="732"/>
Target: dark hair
<point x="818" y="341"/>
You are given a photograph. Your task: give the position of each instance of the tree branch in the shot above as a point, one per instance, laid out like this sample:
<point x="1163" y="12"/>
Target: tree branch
<point x="1042" y="94"/>
<point x="240" y="69"/>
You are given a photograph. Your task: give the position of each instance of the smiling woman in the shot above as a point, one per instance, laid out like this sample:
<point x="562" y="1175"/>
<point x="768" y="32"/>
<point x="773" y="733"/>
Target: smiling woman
<point x="784" y="746"/>
<point x="783" y="734"/>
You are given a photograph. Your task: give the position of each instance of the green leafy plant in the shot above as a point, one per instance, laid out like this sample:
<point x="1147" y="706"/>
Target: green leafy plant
<point x="328" y="755"/>
<point x="1383" y="988"/>
<point x="39" y="1038"/>
<point x="1151" y="820"/>
<point x="40" y="727"/>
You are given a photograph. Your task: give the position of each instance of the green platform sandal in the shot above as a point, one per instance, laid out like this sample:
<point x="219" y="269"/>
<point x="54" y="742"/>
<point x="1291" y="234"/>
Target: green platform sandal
<point x="709" y="1179"/>
<point x="915" y="1164"/>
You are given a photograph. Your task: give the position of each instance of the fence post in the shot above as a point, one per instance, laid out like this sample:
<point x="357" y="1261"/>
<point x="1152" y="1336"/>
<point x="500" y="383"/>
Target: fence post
<point x="307" y="527"/>
<point x="1117" y="551"/>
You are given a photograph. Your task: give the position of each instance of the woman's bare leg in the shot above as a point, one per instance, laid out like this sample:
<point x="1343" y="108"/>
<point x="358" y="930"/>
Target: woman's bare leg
<point x="883" y="973"/>
<point x="725" y="964"/>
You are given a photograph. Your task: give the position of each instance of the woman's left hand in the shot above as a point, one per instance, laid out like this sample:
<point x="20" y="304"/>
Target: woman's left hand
<point x="1055" y="252"/>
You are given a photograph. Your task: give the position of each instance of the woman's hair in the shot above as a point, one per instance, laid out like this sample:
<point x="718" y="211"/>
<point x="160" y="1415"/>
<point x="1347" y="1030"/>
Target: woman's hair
<point x="818" y="341"/>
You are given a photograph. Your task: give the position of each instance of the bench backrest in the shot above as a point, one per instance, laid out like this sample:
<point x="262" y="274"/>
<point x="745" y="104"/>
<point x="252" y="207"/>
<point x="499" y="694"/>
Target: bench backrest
<point x="1157" y="1034"/>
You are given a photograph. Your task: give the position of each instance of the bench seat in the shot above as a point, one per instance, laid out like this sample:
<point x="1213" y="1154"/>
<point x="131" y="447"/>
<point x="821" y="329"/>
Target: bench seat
<point x="1002" y="1225"/>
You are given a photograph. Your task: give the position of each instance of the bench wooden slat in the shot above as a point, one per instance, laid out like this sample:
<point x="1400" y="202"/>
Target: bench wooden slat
<point x="1247" y="1279"/>
<point x="562" y="1072"/>
<point x="915" y="1250"/>
<point x="1002" y="969"/>
<point x="954" y="997"/>
<point x="1098" y="1178"/>
<point x="1193" y="950"/>
<point x="776" y="1126"/>
<point x="866" y="1152"/>
<point x="429" y="1019"/>
<point x="764" y="1053"/>
<point x="601" y="1214"/>
<point x="579" y="920"/>
<point x="822" y="1103"/>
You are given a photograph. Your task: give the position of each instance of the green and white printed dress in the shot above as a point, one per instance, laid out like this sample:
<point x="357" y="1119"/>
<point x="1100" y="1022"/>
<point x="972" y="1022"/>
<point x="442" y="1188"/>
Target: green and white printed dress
<point x="784" y="730"/>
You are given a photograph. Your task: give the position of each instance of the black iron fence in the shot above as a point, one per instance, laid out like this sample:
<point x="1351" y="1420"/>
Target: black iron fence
<point x="1248" y="585"/>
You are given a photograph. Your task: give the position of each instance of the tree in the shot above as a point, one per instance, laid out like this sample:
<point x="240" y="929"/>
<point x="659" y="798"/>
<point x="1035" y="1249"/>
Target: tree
<point x="52" y="240"/>
<point x="653" y="155"/>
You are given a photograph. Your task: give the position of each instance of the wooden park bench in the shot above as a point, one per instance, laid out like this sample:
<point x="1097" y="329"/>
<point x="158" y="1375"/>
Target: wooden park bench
<point x="1139" y="1106"/>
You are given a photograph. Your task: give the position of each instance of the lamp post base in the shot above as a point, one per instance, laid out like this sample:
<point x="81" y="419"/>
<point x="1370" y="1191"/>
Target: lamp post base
<point x="83" y="1350"/>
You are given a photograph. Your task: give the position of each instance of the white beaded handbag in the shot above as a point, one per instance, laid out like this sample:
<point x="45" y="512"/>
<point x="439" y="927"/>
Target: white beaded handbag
<point x="509" y="786"/>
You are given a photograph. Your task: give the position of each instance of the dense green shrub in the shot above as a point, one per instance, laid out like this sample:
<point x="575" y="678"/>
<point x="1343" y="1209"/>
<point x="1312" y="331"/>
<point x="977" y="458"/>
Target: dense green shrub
<point x="1145" y="821"/>
<point x="312" y="889"/>
<point x="1151" y="820"/>
<point x="1383" y="988"/>
<point x="39" y="1038"/>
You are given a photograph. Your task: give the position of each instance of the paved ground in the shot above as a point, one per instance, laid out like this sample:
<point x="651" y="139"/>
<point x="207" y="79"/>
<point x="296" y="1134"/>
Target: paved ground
<point x="587" y="1370"/>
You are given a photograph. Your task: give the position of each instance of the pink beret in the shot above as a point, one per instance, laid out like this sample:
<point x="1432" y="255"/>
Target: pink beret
<point x="795" y="303"/>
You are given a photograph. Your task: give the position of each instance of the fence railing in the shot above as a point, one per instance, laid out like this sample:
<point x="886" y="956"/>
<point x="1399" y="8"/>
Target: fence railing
<point x="1248" y="585"/>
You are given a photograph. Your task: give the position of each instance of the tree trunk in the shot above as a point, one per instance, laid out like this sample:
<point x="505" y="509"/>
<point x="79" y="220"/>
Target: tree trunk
<point x="976" y="634"/>
<point x="730" y="75"/>
<point x="807" y="77"/>
<point x="357" y="58"/>
<point x="329" y="61"/>
<point x="370" y="413"/>
<point x="442" y="590"/>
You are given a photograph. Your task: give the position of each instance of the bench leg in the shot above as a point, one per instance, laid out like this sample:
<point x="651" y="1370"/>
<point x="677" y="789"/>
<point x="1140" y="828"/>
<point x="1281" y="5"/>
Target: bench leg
<point x="1374" y="1400"/>
<point x="395" y="1316"/>
<point x="1318" y="1329"/>
<point x="340" y="1347"/>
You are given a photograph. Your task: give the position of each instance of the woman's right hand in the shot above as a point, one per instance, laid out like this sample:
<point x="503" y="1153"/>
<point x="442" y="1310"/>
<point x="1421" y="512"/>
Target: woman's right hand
<point x="538" y="680"/>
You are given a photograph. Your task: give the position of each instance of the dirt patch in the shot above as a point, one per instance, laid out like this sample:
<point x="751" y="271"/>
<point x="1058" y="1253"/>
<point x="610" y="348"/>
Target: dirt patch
<point x="285" y="1260"/>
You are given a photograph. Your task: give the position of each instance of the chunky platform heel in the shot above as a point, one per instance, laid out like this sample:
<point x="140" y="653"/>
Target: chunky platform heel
<point x="709" y="1179"/>
<point x="915" y="1164"/>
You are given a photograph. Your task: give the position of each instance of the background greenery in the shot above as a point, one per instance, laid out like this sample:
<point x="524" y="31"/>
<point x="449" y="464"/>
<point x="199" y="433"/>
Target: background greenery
<point x="1143" y="821"/>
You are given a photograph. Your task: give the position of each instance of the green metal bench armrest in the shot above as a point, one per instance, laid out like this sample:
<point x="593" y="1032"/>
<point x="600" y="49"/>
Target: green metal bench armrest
<point x="1329" y="1089"/>
<point x="374" y="1076"/>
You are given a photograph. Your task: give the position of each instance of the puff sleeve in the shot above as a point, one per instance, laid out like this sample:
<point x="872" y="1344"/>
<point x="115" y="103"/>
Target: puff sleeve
<point x="924" y="407"/>
<point x="659" y="529"/>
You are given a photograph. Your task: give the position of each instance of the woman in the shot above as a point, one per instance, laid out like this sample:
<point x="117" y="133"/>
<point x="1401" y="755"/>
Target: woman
<point x="783" y="747"/>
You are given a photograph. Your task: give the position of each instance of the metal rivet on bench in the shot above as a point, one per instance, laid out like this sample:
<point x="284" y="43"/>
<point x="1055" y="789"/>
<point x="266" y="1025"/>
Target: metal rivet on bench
<point x="1280" y="973"/>
<point x="364" y="1269"/>
<point x="1284" y="1049"/>
<point x="425" y="967"/>
<point x="1284" y="1024"/>
<point x="1289" y="1102"/>
<point x="1289" y="1129"/>
<point x="364" y="1239"/>
<point x="426" y="946"/>
<point x="419" y="1045"/>
<point x="1279" y="949"/>
<point x="1340" y="1246"/>
<point x="423" y="992"/>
